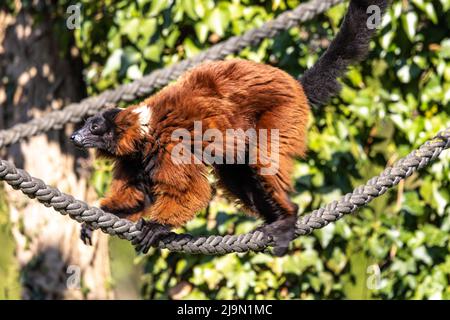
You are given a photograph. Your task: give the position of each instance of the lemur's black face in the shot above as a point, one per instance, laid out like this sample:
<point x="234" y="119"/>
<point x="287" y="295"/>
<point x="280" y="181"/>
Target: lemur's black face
<point x="97" y="132"/>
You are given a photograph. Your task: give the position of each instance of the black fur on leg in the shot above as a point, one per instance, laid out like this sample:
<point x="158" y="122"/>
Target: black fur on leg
<point x="152" y="232"/>
<point x="238" y="179"/>
<point x="280" y="223"/>
<point x="244" y="182"/>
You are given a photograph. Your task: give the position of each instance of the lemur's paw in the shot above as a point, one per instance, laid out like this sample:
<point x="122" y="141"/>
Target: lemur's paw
<point x="151" y="233"/>
<point x="282" y="233"/>
<point x="86" y="234"/>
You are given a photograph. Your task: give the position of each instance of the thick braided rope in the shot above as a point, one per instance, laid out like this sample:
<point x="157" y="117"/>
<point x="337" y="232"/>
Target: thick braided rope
<point x="159" y="78"/>
<point x="256" y="241"/>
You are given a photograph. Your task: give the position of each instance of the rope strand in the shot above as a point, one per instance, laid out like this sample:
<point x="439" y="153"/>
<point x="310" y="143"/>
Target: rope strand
<point x="252" y="241"/>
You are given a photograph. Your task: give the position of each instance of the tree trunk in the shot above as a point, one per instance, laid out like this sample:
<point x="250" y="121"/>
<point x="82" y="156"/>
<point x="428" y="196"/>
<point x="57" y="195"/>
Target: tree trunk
<point x="39" y="75"/>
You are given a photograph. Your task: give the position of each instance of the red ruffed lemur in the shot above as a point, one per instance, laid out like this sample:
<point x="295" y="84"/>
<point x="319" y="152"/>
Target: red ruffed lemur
<point x="148" y="181"/>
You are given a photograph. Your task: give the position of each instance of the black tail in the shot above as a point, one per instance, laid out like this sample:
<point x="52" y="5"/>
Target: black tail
<point x="349" y="46"/>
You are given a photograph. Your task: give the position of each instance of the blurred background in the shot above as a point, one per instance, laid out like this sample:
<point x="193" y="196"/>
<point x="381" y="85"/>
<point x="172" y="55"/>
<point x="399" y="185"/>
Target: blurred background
<point x="396" y="248"/>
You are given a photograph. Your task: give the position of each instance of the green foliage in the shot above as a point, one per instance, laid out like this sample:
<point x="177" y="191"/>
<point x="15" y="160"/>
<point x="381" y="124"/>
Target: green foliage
<point x="391" y="103"/>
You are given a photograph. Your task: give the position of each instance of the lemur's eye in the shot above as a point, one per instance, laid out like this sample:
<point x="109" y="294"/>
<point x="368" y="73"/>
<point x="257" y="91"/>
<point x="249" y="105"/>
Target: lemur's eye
<point x="94" y="127"/>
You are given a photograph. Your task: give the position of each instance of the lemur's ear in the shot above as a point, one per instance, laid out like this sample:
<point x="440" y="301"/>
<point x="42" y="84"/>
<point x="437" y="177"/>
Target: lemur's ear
<point x="111" y="114"/>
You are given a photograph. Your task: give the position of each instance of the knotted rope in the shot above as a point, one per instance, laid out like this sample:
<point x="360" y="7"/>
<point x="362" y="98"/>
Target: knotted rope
<point x="256" y="241"/>
<point x="143" y="87"/>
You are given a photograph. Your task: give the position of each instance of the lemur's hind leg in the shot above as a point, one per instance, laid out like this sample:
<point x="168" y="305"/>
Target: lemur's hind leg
<point x="265" y="196"/>
<point x="234" y="179"/>
<point x="280" y="213"/>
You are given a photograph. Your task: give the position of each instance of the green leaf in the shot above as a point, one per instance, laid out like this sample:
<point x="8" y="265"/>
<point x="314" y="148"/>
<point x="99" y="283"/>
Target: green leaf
<point x="412" y="203"/>
<point x="404" y="74"/>
<point x="157" y="6"/>
<point x="441" y="198"/>
<point x="190" y="47"/>
<point x="445" y="5"/>
<point x="171" y="40"/>
<point x="421" y="254"/>
<point x="147" y="28"/>
<point x="188" y="6"/>
<point x="428" y="9"/>
<point x="113" y="63"/>
<point x="409" y="22"/>
<point x="218" y="21"/>
<point x="154" y="52"/>
<point x="133" y="72"/>
<point x="201" y="29"/>
<point x="131" y="29"/>
<point x="325" y="235"/>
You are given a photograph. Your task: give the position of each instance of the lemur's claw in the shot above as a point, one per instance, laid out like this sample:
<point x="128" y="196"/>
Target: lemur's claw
<point x="140" y="224"/>
<point x="151" y="233"/>
<point x="282" y="232"/>
<point x="86" y="234"/>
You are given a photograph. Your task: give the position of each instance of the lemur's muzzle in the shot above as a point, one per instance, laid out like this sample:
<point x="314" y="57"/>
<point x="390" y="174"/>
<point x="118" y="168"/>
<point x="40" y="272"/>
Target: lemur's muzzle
<point x="79" y="138"/>
<point x="76" y="139"/>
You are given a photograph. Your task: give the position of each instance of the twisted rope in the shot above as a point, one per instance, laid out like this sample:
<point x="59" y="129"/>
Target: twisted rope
<point x="143" y="87"/>
<point x="255" y="241"/>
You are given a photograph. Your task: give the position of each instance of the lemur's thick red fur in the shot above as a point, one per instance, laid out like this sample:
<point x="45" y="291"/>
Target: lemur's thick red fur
<point x="234" y="94"/>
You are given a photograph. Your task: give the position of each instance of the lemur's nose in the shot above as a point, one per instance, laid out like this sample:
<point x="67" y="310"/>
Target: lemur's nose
<point x="76" y="139"/>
